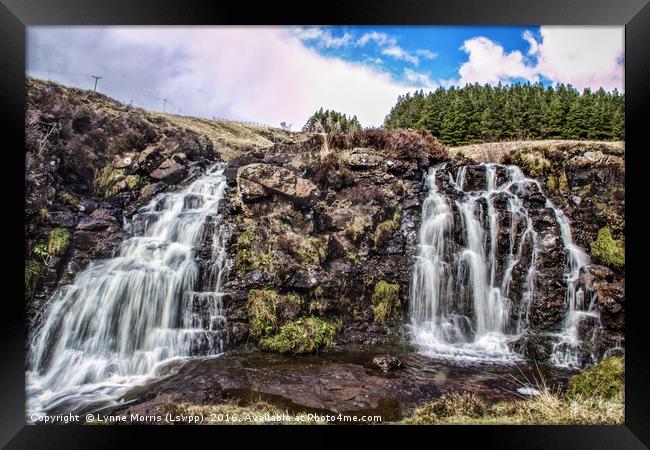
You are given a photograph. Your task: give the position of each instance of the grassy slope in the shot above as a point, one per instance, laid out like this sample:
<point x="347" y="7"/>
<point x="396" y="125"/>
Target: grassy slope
<point x="229" y="137"/>
<point x="495" y="151"/>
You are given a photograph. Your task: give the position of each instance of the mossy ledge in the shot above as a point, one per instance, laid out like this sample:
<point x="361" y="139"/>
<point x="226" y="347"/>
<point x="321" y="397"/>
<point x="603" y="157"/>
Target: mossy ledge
<point x="304" y="335"/>
<point x="385" y="229"/>
<point x="59" y="242"/>
<point x="608" y="250"/>
<point x="607" y="379"/>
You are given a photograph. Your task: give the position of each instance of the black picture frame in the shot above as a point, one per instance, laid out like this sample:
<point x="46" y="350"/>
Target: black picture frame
<point x="15" y="15"/>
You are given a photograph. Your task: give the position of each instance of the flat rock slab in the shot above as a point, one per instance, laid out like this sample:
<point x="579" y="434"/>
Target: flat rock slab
<point x="332" y="382"/>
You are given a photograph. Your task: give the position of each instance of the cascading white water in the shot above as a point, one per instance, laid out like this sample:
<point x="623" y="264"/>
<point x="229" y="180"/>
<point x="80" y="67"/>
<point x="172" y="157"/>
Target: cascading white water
<point x="122" y="317"/>
<point x="442" y="321"/>
<point x="460" y="297"/>
<point x="565" y="352"/>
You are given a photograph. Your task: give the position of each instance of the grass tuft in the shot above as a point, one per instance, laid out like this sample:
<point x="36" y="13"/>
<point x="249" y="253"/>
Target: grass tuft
<point x="385" y="302"/>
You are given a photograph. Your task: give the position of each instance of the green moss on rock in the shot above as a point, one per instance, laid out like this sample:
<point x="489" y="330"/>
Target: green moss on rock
<point x="311" y="251"/>
<point x="106" y="179"/>
<point x="383" y="232"/>
<point x="304" y="335"/>
<point x="34" y="272"/>
<point x="557" y="184"/>
<point x="385" y="302"/>
<point x="68" y="199"/>
<point x="41" y="250"/>
<point x="533" y="164"/>
<point x="59" y="242"/>
<point x="606" y="379"/>
<point x="356" y="229"/>
<point x="608" y="250"/>
<point x="266" y="309"/>
<point x="245" y="255"/>
<point x="135" y="182"/>
<point x="43" y="215"/>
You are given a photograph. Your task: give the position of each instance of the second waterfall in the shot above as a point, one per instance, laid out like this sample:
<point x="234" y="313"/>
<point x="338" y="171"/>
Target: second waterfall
<point x="495" y="260"/>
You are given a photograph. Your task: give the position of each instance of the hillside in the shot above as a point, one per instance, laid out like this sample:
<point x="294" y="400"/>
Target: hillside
<point x="230" y="137"/>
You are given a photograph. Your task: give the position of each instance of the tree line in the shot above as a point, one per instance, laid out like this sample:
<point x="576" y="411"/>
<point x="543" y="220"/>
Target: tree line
<point x="476" y="113"/>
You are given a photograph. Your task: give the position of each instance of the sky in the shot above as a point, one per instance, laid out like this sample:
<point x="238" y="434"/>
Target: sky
<point x="276" y="74"/>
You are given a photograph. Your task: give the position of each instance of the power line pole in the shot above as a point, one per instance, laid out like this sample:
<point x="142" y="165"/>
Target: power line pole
<point x="179" y="112"/>
<point x="164" y="104"/>
<point x="96" y="80"/>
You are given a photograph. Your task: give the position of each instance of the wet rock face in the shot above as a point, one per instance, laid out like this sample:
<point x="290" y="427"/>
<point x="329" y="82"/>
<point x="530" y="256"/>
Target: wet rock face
<point x="608" y="290"/>
<point x="504" y="228"/>
<point x="169" y="171"/>
<point x="527" y="237"/>
<point x="586" y="181"/>
<point x="597" y="187"/>
<point x="538" y="347"/>
<point x="327" y="226"/>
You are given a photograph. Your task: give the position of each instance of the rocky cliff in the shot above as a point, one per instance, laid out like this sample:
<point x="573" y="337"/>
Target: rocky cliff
<point x="329" y="227"/>
<point x="322" y="228"/>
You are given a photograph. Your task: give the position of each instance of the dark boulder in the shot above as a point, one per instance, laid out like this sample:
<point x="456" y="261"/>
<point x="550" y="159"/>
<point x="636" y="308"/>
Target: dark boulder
<point x="538" y="347"/>
<point x="258" y="180"/>
<point x="150" y="158"/>
<point x="169" y="172"/>
<point x="363" y="159"/>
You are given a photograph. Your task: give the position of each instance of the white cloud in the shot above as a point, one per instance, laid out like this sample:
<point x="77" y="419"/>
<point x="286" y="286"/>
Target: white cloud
<point x="426" y="54"/>
<point x="324" y="37"/>
<point x="263" y="74"/>
<point x="397" y="52"/>
<point x="390" y="48"/>
<point x="581" y="56"/>
<point x="380" y="39"/>
<point x="419" y="79"/>
<point x="489" y="63"/>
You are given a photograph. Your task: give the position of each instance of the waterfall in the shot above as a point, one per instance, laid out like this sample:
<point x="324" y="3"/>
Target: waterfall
<point x="475" y="236"/>
<point x="124" y="316"/>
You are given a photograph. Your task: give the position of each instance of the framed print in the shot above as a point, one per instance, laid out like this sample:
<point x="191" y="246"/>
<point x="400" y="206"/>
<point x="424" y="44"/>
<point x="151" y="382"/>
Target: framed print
<point x="395" y="218"/>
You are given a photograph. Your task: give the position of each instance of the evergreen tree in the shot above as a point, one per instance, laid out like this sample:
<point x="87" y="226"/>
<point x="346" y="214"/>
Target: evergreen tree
<point x="554" y="119"/>
<point x="454" y="125"/>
